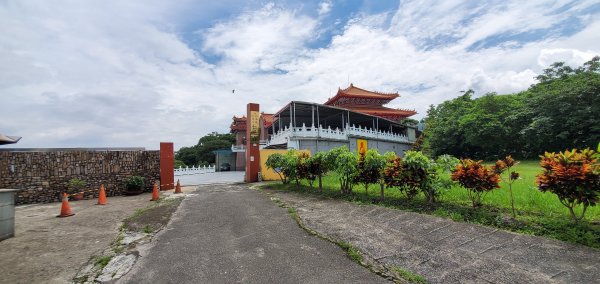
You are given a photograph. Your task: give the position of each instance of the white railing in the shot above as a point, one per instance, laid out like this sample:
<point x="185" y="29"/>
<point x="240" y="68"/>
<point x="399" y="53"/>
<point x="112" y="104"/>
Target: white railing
<point x="193" y="170"/>
<point x="285" y="134"/>
<point x="238" y="148"/>
<point x="381" y="135"/>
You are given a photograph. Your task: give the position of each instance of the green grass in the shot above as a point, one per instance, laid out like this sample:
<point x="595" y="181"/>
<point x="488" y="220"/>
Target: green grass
<point x="103" y="260"/>
<point x="352" y="252"/>
<point x="538" y="213"/>
<point x="409" y="276"/>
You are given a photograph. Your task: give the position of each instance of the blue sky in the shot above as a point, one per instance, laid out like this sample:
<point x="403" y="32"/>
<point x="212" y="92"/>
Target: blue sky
<point x="134" y="73"/>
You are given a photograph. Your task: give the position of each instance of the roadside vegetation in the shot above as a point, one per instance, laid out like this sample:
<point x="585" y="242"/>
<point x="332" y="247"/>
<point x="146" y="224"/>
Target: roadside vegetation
<point x="461" y="190"/>
<point x="553" y="126"/>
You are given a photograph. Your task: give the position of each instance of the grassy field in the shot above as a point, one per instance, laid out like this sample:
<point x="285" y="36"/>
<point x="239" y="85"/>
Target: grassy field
<point x="537" y="213"/>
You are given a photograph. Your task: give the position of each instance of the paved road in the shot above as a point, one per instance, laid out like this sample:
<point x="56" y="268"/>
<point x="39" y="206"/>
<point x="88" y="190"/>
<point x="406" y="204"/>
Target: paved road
<point x="232" y="234"/>
<point x="445" y="251"/>
<point x="211" y="178"/>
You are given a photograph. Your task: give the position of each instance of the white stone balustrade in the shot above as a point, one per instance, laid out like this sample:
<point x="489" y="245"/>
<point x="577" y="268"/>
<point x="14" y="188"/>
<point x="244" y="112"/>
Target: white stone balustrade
<point x="282" y="136"/>
<point x="193" y="170"/>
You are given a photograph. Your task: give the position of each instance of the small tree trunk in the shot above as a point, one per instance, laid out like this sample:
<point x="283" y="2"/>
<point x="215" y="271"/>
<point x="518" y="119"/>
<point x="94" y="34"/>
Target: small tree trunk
<point x="382" y="195"/>
<point x="512" y="201"/>
<point x="320" y="184"/>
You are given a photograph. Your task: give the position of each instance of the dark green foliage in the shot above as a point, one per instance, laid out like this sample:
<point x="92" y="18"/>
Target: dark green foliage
<point x="344" y="164"/>
<point x="319" y="166"/>
<point x="202" y="153"/>
<point x="179" y="164"/>
<point x="134" y="183"/>
<point x="75" y="185"/>
<point x="559" y="112"/>
<point x="276" y="162"/>
<point x="370" y="168"/>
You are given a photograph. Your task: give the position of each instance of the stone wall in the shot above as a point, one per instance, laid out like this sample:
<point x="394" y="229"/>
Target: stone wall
<point x="41" y="176"/>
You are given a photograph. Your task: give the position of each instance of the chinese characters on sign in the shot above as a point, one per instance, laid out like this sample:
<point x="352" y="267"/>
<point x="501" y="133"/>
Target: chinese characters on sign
<point x="254" y="126"/>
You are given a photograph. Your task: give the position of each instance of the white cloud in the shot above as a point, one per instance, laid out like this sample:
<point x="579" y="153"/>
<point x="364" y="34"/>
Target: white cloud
<point x="106" y="74"/>
<point x="324" y="7"/>
<point x="260" y="39"/>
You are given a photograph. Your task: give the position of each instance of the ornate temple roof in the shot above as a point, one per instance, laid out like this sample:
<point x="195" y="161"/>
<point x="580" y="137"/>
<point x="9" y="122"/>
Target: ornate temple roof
<point x="368" y="102"/>
<point x="267" y="119"/>
<point x="381" y="111"/>
<point x="238" y="124"/>
<point x="357" y="96"/>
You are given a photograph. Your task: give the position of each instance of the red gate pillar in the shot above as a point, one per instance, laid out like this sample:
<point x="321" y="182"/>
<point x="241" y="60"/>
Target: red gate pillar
<point x="167" y="166"/>
<point x="252" y="142"/>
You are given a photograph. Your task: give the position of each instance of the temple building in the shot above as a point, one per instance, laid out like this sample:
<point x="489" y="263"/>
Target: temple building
<point x="354" y="117"/>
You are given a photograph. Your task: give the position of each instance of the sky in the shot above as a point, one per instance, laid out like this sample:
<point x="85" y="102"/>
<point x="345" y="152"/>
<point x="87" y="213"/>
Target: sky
<point x="135" y="73"/>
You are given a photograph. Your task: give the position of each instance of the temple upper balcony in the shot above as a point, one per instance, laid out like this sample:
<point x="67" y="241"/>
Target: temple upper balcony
<point x="298" y="120"/>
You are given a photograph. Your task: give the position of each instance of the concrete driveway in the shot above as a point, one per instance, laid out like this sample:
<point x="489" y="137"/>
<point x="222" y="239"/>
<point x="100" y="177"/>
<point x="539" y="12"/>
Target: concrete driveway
<point x="231" y="234"/>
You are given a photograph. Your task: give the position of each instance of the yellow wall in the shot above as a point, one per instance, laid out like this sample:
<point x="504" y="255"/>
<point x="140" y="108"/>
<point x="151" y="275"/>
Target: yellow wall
<point x="269" y="174"/>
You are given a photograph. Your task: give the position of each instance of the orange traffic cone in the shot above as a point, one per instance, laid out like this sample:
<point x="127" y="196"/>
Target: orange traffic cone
<point x="178" y="187"/>
<point x="65" y="209"/>
<point x="102" y="196"/>
<point x="154" y="193"/>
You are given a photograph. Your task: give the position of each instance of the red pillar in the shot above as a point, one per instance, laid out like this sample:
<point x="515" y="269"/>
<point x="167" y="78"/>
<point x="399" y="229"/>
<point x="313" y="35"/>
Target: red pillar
<point x="252" y="142"/>
<point x="167" y="166"/>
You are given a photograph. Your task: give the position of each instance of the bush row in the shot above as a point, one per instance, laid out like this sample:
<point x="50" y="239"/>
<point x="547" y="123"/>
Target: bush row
<point x="574" y="176"/>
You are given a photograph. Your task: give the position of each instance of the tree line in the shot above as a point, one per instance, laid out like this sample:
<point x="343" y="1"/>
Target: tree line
<point x="559" y="112"/>
<point x="202" y="154"/>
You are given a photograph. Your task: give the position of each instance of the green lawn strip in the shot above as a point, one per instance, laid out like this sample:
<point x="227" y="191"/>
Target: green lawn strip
<point x="538" y="213"/>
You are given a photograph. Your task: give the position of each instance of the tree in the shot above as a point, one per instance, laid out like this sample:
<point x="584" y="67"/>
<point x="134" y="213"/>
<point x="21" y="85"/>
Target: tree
<point x="202" y="153"/>
<point x="574" y="176"/>
<point x="319" y="166"/>
<point x="305" y="168"/>
<point x="555" y="114"/>
<point x="505" y="165"/>
<point x="370" y="167"/>
<point x="420" y="175"/>
<point x="277" y="162"/>
<point x="344" y="163"/>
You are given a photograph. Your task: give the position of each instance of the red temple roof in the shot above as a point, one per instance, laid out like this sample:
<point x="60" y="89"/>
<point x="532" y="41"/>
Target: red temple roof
<point x="357" y="96"/>
<point x="238" y="124"/>
<point x="384" y="112"/>
<point x="368" y="102"/>
<point x="267" y="119"/>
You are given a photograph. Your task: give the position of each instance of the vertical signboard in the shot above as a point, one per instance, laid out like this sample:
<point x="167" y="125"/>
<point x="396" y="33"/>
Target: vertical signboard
<point x="252" y="149"/>
<point x="254" y="126"/>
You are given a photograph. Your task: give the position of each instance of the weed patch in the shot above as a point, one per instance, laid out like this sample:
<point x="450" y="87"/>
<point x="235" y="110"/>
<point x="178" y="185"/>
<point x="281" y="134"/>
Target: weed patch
<point x="102" y="261"/>
<point x="408" y="276"/>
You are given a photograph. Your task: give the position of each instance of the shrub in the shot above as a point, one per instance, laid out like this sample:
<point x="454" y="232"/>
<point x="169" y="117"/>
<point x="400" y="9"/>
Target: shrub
<point x="369" y="167"/>
<point x="304" y="168"/>
<point x="134" y="183"/>
<point x="344" y="163"/>
<point x="444" y="165"/>
<point x="420" y="174"/>
<point x="319" y="166"/>
<point x="276" y="162"/>
<point x="394" y="176"/>
<point x="75" y="185"/>
<point x="574" y="176"/>
<point x="476" y="178"/>
<point x="290" y="166"/>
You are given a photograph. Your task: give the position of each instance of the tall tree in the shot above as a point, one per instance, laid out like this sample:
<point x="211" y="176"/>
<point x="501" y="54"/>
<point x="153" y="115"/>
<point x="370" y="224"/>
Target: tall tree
<point x="201" y="153"/>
